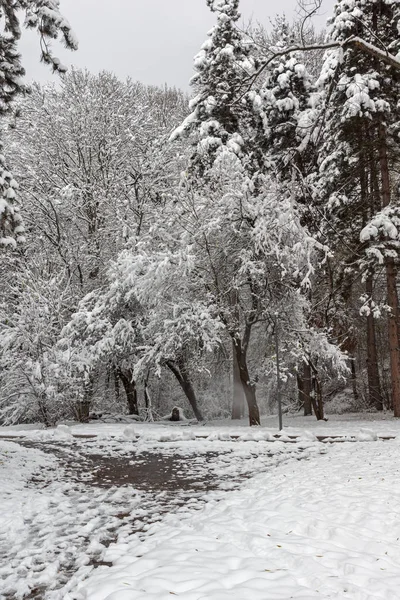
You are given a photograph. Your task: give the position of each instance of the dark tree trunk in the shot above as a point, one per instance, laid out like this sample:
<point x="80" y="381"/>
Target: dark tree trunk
<point x="130" y="391"/>
<point x="374" y="384"/>
<point x="391" y="279"/>
<point x="316" y="397"/>
<point x="237" y="392"/>
<point x="354" y="378"/>
<point x="107" y="384"/>
<point x="249" y="388"/>
<point x="82" y="407"/>
<point x="300" y="388"/>
<point x="304" y="388"/>
<point x="43" y="411"/>
<point x="393" y="331"/>
<point x="371" y="202"/>
<point x="116" y="385"/>
<point x="82" y="411"/>
<point x="179" y="369"/>
<point x="147" y="399"/>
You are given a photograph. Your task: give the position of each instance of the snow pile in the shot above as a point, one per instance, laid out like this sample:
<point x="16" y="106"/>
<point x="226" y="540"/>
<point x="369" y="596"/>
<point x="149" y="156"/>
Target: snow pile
<point x="366" y="435"/>
<point x="307" y="436"/>
<point x="60" y="433"/>
<point x="258" y="436"/>
<point x="129" y="433"/>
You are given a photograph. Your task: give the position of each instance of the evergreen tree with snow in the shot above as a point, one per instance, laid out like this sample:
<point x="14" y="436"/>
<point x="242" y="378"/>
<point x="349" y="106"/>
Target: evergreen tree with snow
<point x="284" y="104"/>
<point x="221" y="122"/>
<point x="11" y="226"/>
<point x="287" y="107"/>
<point x="359" y="150"/>
<point x="46" y="18"/>
<point x="219" y="109"/>
<point x="235" y="125"/>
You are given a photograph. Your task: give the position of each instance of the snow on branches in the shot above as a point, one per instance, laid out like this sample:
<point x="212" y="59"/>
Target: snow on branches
<point x="11" y="226"/>
<point x="382" y="236"/>
<point x="46" y="18"/>
<point x="221" y="65"/>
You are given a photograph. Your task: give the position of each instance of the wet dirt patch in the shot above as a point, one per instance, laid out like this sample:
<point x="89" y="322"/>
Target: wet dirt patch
<point x="153" y="472"/>
<point x="149" y="471"/>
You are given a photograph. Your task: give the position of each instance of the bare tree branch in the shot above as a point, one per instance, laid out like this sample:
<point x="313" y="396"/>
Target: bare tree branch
<point x="306" y="10"/>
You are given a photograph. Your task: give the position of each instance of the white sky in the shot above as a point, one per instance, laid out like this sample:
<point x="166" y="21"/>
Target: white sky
<point x="153" y="41"/>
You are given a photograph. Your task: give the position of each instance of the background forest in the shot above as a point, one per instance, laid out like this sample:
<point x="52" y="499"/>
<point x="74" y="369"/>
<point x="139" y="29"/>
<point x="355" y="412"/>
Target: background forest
<point x="169" y="249"/>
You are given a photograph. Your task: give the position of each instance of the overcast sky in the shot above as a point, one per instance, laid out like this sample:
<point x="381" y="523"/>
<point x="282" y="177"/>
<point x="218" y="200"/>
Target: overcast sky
<point x="153" y="41"/>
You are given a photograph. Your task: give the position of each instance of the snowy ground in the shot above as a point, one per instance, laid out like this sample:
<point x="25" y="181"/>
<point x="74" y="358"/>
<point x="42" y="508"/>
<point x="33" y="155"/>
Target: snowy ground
<point x="383" y="424"/>
<point x="315" y="521"/>
<point x="324" y="528"/>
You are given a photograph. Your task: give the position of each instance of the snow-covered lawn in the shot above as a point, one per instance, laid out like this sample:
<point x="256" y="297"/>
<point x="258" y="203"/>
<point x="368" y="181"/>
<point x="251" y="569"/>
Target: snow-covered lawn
<point x="315" y="521"/>
<point x="349" y="424"/>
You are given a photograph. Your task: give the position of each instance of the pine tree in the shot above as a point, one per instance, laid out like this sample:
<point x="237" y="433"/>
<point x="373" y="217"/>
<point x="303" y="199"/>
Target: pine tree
<point x="360" y="147"/>
<point x="286" y="104"/>
<point x="11" y="226"/>
<point x="221" y="121"/>
<point x="219" y="108"/>
<point x="255" y="130"/>
<point x="285" y="101"/>
<point x="45" y="17"/>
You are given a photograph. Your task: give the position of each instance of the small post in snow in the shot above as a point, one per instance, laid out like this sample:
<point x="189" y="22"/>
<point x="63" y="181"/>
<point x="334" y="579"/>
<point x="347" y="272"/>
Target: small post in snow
<point x="278" y="374"/>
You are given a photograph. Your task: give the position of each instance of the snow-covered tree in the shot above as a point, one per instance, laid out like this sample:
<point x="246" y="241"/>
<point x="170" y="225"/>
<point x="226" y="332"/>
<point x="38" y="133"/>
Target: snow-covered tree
<point x="147" y="317"/>
<point x="103" y="334"/>
<point x="94" y="170"/>
<point x="250" y="133"/>
<point x="252" y="252"/>
<point x="301" y="32"/>
<point x="92" y="165"/>
<point x="285" y="106"/>
<point x="219" y="113"/>
<point x="35" y="384"/>
<point x="360" y="147"/>
<point x="221" y="118"/>
<point x="45" y="17"/>
<point x="12" y="229"/>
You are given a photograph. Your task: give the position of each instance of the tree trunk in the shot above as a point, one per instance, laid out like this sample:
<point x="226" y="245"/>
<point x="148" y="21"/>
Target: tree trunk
<point x="116" y="385"/>
<point x="371" y="203"/>
<point x="354" y="379"/>
<point x="300" y="390"/>
<point x="248" y="387"/>
<point x="82" y="410"/>
<point x="82" y="407"/>
<point x="106" y="391"/>
<point x="130" y="391"/>
<point x="147" y="400"/>
<point x="237" y="392"/>
<point x="391" y="280"/>
<point x="305" y="391"/>
<point x="374" y="384"/>
<point x="393" y="331"/>
<point x="43" y="410"/>
<point x="180" y="371"/>
<point x="316" y="398"/>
